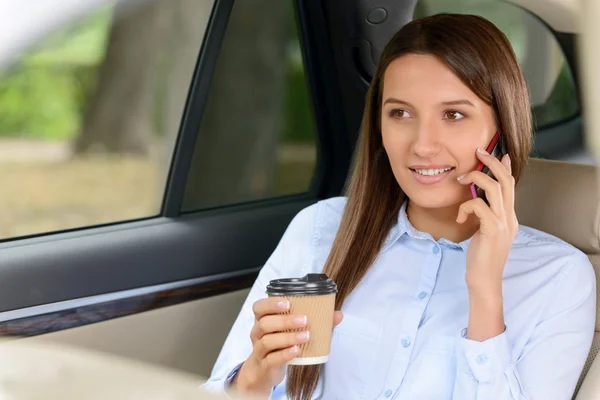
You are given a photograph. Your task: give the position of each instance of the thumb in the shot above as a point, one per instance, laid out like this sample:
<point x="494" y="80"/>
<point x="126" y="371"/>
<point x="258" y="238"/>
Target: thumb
<point x="337" y="318"/>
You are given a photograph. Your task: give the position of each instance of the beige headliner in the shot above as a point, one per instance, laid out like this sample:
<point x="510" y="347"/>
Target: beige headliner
<point x="561" y="15"/>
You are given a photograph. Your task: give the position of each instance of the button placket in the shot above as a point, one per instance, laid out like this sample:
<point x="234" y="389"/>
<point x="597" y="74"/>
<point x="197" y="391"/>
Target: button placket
<point x="412" y="321"/>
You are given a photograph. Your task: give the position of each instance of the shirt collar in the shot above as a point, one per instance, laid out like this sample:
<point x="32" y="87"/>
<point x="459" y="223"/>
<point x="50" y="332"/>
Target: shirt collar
<point x="403" y="226"/>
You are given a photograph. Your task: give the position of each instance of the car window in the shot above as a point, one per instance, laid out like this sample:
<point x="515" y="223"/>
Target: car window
<point x="89" y="116"/>
<point x="256" y="139"/>
<point x="549" y="77"/>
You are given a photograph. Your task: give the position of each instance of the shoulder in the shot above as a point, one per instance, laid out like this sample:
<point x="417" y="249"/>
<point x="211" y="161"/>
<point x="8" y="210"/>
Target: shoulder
<point x="538" y="251"/>
<point x="324" y="214"/>
<point x="317" y="221"/>
<point x="535" y="240"/>
<point x="312" y="231"/>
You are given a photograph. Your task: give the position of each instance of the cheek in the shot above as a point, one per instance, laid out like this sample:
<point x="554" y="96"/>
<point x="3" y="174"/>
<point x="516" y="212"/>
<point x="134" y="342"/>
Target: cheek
<point x="395" y="150"/>
<point x="464" y="152"/>
<point x="396" y="141"/>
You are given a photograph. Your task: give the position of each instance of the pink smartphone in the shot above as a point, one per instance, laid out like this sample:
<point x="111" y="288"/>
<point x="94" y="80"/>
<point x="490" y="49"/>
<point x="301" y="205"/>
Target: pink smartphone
<point x="495" y="148"/>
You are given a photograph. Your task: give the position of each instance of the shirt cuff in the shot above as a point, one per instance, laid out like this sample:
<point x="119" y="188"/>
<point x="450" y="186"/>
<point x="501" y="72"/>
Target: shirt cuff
<point x="221" y="386"/>
<point x="484" y="359"/>
<point x="231" y="376"/>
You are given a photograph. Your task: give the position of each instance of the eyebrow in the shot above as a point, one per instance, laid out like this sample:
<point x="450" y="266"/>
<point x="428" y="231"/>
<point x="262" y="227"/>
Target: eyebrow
<point x="444" y="103"/>
<point x="397" y="101"/>
<point x="463" y="102"/>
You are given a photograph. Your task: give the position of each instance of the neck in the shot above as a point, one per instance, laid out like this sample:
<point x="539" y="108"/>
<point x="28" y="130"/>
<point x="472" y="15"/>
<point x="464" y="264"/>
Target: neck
<point x="441" y="222"/>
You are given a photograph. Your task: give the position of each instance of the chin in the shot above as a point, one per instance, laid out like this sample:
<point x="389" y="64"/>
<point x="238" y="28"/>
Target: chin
<point x="436" y="198"/>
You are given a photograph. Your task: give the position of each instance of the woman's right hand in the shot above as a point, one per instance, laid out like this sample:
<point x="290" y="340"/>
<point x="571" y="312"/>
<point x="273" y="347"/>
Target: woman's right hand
<point x="272" y="348"/>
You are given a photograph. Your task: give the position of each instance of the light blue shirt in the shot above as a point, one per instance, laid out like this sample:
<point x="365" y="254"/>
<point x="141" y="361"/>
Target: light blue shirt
<point x="403" y="335"/>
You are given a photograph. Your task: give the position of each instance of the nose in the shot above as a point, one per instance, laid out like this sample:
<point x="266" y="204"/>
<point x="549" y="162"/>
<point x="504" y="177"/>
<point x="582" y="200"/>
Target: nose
<point x="426" y="142"/>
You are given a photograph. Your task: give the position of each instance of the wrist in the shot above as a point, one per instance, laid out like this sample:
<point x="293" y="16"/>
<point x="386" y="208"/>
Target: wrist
<point x="486" y="315"/>
<point x="247" y="382"/>
<point x="484" y="287"/>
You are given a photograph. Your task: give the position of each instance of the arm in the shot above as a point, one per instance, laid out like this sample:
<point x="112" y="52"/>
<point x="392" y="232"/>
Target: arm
<point x="291" y="258"/>
<point x="553" y="357"/>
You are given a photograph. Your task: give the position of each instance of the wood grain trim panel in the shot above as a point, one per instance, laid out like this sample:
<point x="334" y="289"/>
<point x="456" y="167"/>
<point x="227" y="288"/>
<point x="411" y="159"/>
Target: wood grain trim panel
<point x="103" y="311"/>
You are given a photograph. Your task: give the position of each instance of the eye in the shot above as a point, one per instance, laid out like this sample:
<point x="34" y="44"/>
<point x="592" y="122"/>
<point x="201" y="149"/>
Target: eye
<point x="398" y="113"/>
<point x="453" y="115"/>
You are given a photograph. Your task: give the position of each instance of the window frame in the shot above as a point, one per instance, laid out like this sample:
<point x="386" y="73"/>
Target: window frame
<point x="217" y="246"/>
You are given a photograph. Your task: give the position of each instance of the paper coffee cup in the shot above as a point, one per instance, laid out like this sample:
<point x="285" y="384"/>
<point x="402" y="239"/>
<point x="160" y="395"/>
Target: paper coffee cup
<point x="313" y="296"/>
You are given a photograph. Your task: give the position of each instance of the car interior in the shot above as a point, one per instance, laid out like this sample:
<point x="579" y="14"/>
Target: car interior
<point x="165" y="289"/>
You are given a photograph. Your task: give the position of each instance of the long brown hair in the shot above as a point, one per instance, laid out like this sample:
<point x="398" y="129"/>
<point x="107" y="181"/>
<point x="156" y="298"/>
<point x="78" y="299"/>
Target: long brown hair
<point x="482" y="57"/>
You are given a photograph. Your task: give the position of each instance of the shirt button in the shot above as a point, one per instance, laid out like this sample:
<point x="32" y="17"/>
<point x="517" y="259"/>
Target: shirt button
<point x="422" y="295"/>
<point x="481" y="359"/>
<point x="388" y="393"/>
<point x="405" y="342"/>
<point x="436" y="249"/>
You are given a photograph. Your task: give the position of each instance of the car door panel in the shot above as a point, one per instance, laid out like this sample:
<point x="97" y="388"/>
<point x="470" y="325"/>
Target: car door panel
<point x="187" y="336"/>
<point x="164" y="289"/>
<point x="73" y="265"/>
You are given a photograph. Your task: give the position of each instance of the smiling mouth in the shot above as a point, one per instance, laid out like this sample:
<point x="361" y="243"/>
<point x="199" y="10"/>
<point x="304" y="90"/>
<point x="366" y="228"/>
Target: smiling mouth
<point x="431" y="172"/>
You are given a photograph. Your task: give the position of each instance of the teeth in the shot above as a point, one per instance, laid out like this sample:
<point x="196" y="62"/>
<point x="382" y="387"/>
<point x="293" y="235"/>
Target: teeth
<point x="431" y="172"/>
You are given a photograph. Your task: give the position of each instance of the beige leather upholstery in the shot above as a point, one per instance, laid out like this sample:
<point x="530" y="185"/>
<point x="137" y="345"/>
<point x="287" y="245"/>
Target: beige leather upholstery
<point x="562" y="199"/>
<point x="177" y="337"/>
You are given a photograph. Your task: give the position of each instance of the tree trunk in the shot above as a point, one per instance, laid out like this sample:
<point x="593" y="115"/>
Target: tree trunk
<point x="188" y="20"/>
<point x="150" y="60"/>
<point x="119" y="117"/>
<point x="235" y="152"/>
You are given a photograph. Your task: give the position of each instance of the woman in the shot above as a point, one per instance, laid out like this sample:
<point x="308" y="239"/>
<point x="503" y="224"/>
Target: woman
<point x="443" y="296"/>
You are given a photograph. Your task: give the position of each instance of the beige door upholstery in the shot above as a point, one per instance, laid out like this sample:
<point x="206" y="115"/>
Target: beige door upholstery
<point x="562" y="199"/>
<point x="186" y="337"/>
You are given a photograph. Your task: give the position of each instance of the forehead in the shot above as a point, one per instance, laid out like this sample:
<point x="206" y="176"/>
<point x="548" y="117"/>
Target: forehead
<point x="415" y="77"/>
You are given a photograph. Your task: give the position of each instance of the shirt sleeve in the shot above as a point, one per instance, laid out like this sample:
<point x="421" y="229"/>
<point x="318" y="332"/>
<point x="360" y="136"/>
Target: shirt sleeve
<point x="552" y="360"/>
<point x="291" y="258"/>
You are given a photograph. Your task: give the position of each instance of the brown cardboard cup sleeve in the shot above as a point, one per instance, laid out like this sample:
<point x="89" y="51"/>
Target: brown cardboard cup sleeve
<point x="313" y="296"/>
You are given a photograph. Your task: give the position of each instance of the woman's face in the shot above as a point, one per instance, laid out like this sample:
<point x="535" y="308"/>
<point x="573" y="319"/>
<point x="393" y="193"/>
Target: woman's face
<point x="431" y="125"/>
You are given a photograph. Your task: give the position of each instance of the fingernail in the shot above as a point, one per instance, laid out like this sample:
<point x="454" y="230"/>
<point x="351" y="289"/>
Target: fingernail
<point x="300" y="320"/>
<point x="305" y="335"/>
<point x="284" y="304"/>
<point x="482" y="151"/>
<point x="508" y="159"/>
<point x="294" y="349"/>
<point x="460" y="177"/>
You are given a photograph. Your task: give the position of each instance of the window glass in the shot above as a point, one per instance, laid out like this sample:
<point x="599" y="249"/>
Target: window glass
<point x="89" y="115"/>
<point x="549" y="78"/>
<point x="256" y="138"/>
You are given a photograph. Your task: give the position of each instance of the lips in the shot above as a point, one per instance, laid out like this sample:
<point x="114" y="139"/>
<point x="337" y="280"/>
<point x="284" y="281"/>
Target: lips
<point x="430" y="175"/>
<point x="431" y="171"/>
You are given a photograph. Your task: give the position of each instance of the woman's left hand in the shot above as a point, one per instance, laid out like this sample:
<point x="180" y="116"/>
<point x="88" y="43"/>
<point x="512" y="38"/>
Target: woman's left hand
<point x="489" y="247"/>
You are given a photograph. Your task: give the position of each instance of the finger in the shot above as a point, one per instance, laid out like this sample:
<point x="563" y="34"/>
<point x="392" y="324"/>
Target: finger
<point x="337" y="318"/>
<point x="281" y="357"/>
<point x="492" y="188"/>
<point x="509" y="195"/>
<point x="276" y="323"/>
<point x="478" y="207"/>
<point x="503" y="176"/>
<point x="269" y="306"/>
<point x="491" y="162"/>
<point x="278" y="341"/>
<point x="507" y="163"/>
